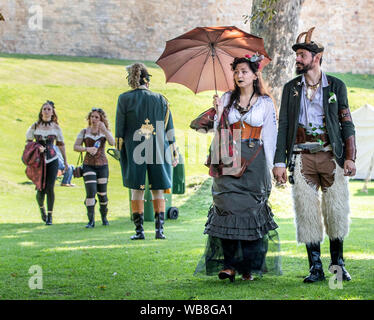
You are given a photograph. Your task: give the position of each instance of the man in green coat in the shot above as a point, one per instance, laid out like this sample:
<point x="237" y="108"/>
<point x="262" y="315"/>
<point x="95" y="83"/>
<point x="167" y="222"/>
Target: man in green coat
<point x="316" y="142"/>
<point x="145" y="139"/>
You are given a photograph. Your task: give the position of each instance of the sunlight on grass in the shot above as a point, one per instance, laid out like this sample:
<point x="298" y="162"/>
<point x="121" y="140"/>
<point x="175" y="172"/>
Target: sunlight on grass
<point x="113" y="246"/>
<point x="27" y="244"/>
<point x="358" y="255"/>
<point x="24" y="231"/>
<point x="10" y="237"/>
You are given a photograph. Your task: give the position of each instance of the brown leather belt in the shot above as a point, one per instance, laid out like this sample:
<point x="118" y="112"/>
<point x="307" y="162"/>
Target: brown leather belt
<point x="307" y="151"/>
<point x="247" y="132"/>
<point x="302" y="137"/>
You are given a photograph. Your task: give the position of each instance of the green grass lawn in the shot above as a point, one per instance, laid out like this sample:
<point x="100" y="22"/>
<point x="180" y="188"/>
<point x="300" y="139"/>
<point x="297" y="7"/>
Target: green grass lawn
<point x="103" y="263"/>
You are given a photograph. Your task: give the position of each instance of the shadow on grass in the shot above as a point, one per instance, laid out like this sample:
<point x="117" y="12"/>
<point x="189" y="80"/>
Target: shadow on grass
<point x="158" y="269"/>
<point x="104" y="263"/>
<point x="360" y="193"/>
<point x="95" y="60"/>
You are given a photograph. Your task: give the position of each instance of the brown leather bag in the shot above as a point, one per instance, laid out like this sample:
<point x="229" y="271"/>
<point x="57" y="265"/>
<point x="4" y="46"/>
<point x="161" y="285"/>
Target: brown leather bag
<point x="245" y="163"/>
<point x="78" y="170"/>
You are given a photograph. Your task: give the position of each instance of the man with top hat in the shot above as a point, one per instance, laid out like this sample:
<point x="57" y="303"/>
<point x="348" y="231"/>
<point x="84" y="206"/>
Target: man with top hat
<point x="145" y="138"/>
<point x="316" y="142"/>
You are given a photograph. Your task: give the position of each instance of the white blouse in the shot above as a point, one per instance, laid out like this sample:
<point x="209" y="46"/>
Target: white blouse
<point x="44" y="131"/>
<point x="261" y="114"/>
<point x="82" y="135"/>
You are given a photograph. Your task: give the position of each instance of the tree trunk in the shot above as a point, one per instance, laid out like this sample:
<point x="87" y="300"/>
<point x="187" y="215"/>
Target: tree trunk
<point x="279" y="35"/>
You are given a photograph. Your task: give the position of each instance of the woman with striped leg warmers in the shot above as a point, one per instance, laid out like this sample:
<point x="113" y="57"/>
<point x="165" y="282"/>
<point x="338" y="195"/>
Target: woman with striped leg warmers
<point x="95" y="164"/>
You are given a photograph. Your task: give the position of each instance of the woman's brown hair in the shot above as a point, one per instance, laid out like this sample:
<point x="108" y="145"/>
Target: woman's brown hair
<point x="54" y="117"/>
<point x="102" y="114"/>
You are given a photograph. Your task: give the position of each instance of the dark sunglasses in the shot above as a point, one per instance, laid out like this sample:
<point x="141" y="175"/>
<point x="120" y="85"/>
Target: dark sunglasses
<point x="97" y="109"/>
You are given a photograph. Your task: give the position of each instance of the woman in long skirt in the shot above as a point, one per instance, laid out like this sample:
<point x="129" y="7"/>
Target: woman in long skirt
<point x="240" y="222"/>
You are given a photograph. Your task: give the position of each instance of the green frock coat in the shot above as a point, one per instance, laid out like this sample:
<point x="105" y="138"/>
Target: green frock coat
<point x="143" y="140"/>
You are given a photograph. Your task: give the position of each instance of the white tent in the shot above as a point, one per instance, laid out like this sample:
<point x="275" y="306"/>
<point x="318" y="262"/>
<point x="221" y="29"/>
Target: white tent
<point x="363" y="119"/>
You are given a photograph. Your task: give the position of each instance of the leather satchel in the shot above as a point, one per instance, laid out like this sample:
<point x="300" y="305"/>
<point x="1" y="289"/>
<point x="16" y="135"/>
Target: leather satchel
<point x="78" y="170"/>
<point x="245" y="163"/>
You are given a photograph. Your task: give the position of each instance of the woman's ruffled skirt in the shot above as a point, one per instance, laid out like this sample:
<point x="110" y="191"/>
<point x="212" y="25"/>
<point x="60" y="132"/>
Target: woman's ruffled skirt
<point x="240" y="211"/>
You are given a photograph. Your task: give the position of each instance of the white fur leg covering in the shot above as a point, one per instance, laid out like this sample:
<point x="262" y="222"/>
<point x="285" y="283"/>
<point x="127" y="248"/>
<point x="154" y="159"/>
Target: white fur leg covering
<point x="335" y="206"/>
<point x="308" y="216"/>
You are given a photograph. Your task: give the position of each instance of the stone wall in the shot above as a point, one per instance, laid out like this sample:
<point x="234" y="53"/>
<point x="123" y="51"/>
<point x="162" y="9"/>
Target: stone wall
<point x="346" y="29"/>
<point x="130" y="29"/>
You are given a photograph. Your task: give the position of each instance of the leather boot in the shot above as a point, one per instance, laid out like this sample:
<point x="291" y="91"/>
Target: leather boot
<point x="91" y="219"/>
<point x="159" y="225"/>
<point x="48" y="221"/>
<point x="104" y="212"/>
<point x="336" y="252"/>
<point x="227" y="274"/>
<point x="316" y="270"/>
<point x="159" y="209"/>
<point x="43" y="215"/>
<point x="138" y="221"/>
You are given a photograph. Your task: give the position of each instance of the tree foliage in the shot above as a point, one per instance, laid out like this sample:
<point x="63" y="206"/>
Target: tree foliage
<point x="265" y="12"/>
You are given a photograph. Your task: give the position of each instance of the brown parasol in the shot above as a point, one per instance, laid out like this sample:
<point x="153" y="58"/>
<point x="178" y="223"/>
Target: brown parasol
<point x="200" y="59"/>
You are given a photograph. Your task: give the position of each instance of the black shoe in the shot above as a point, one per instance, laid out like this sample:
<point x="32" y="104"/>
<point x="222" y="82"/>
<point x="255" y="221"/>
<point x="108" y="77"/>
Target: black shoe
<point x="138" y="221"/>
<point x="336" y="252"/>
<point x="227" y="274"/>
<point x="316" y="271"/>
<point x="43" y="215"/>
<point x="91" y="220"/>
<point x="138" y="236"/>
<point x="48" y="221"/>
<point x="104" y="213"/>
<point x="159" y="225"/>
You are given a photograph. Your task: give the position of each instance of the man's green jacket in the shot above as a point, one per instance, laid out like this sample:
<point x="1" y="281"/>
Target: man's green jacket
<point x="339" y="126"/>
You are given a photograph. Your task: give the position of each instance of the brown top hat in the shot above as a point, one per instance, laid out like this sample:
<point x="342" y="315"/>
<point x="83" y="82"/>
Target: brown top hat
<point x="307" y="44"/>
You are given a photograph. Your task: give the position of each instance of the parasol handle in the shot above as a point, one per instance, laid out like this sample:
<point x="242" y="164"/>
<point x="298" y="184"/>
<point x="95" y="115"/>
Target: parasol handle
<point x="213" y="50"/>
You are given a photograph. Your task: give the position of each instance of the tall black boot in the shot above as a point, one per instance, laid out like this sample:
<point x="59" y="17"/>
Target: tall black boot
<point x="48" y="221"/>
<point x="159" y="225"/>
<point x="316" y="271"/>
<point x="336" y="251"/>
<point x="43" y="214"/>
<point x="91" y="218"/>
<point x="104" y="212"/>
<point x="138" y="221"/>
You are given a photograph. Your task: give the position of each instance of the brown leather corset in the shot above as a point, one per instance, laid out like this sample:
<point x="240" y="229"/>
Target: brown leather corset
<point x="99" y="159"/>
<point x="248" y="132"/>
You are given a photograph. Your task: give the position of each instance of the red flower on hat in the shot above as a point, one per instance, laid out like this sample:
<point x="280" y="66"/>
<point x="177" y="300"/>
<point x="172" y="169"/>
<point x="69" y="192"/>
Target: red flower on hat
<point x="247" y="56"/>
